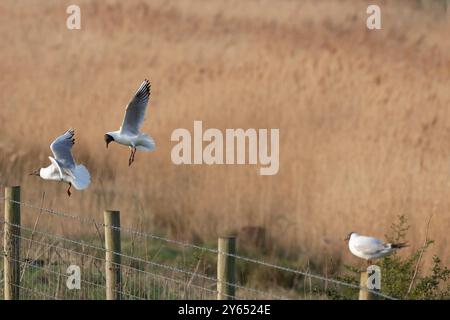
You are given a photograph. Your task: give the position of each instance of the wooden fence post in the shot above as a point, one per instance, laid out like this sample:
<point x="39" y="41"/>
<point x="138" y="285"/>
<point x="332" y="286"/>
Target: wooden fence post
<point x="226" y="269"/>
<point x="12" y="243"/>
<point x="112" y="245"/>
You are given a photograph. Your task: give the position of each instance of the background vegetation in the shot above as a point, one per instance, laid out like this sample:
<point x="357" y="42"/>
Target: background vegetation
<point x="363" y="116"/>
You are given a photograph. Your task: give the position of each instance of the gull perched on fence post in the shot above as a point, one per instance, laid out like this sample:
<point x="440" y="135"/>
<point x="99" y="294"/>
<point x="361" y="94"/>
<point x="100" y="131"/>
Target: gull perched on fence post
<point x="369" y="248"/>
<point x="129" y="133"/>
<point x="63" y="167"/>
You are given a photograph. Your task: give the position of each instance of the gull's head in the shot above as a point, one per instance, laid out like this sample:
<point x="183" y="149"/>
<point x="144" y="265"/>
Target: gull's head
<point x="36" y="173"/>
<point x="108" y="139"/>
<point x="349" y="236"/>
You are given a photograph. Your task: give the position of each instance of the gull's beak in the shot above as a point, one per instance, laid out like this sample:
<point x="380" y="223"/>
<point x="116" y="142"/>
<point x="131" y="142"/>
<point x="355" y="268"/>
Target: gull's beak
<point x="34" y="173"/>
<point x="348" y="236"/>
<point x="108" y="140"/>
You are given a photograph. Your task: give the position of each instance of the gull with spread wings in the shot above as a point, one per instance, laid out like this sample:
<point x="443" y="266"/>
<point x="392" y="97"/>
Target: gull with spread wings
<point x="63" y="167"/>
<point x="129" y="133"/>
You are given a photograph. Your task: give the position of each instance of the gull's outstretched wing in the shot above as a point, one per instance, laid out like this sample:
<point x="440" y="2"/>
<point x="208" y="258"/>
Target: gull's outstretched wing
<point x="62" y="149"/>
<point x="368" y="245"/>
<point x="135" y="111"/>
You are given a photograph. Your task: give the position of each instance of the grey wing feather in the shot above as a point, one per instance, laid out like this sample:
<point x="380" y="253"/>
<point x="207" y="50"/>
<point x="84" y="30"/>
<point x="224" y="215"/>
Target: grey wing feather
<point x="369" y="245"/>
<point x="135" y="111"/>
<point x="62" y="149"/>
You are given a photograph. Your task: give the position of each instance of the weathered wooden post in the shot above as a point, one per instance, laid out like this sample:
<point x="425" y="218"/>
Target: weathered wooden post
<point x="112" y="245"/>
<point x="226" y="268"/>
<point x="12" y="243"/>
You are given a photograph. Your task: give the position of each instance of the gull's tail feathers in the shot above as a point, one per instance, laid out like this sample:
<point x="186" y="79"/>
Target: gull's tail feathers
<point x="146" y="143"/>
<point x="81" y="178"/>
<point x="398" y="245"/>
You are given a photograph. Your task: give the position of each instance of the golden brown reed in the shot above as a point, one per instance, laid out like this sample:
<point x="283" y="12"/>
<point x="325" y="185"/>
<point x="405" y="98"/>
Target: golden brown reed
<point x="363" y="116"/>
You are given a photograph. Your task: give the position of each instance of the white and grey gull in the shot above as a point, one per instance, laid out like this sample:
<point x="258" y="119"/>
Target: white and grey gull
<point x="130" y="133"/>
<point x="370" y="248"/>
<point x="63" y="167"/>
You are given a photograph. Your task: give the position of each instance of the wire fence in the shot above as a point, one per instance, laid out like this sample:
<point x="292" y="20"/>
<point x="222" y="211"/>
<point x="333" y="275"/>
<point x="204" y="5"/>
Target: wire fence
<point x="152" y="266"/>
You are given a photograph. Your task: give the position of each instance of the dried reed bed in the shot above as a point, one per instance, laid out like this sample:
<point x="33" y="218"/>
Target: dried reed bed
<point x="363" y="116"/>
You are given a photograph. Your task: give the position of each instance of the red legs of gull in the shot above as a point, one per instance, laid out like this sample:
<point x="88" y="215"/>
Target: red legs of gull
<point x="132" y="155"/>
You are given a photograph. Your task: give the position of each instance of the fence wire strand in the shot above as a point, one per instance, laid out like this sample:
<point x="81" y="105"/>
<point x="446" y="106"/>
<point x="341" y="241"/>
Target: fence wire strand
<point x="182" y="244"/>
<point x="124" y="266"/>
<point x="152" y="263"/>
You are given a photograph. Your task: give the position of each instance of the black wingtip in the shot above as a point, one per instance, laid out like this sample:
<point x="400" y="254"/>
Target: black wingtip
<point x="399" y="245"/>
<point x="148" y="86"/>
<point x="144" y="90"/>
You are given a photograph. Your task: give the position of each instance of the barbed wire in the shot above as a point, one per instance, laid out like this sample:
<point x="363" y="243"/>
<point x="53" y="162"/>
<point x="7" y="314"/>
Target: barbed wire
<point x="34" y="291"/>
<point x="104" y="250"/>
<point x="30" y="264"/>
<point x="194" y="246"/>
<point x="164" y="266"/>
<point x="67" y="276"/>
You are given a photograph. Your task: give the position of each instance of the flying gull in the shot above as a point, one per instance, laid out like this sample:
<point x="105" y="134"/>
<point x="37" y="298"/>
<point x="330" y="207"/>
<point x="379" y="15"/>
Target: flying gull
<point x="63" y="167"/>
<point x="369" y="248"/>
<point x="129" y="133"/>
